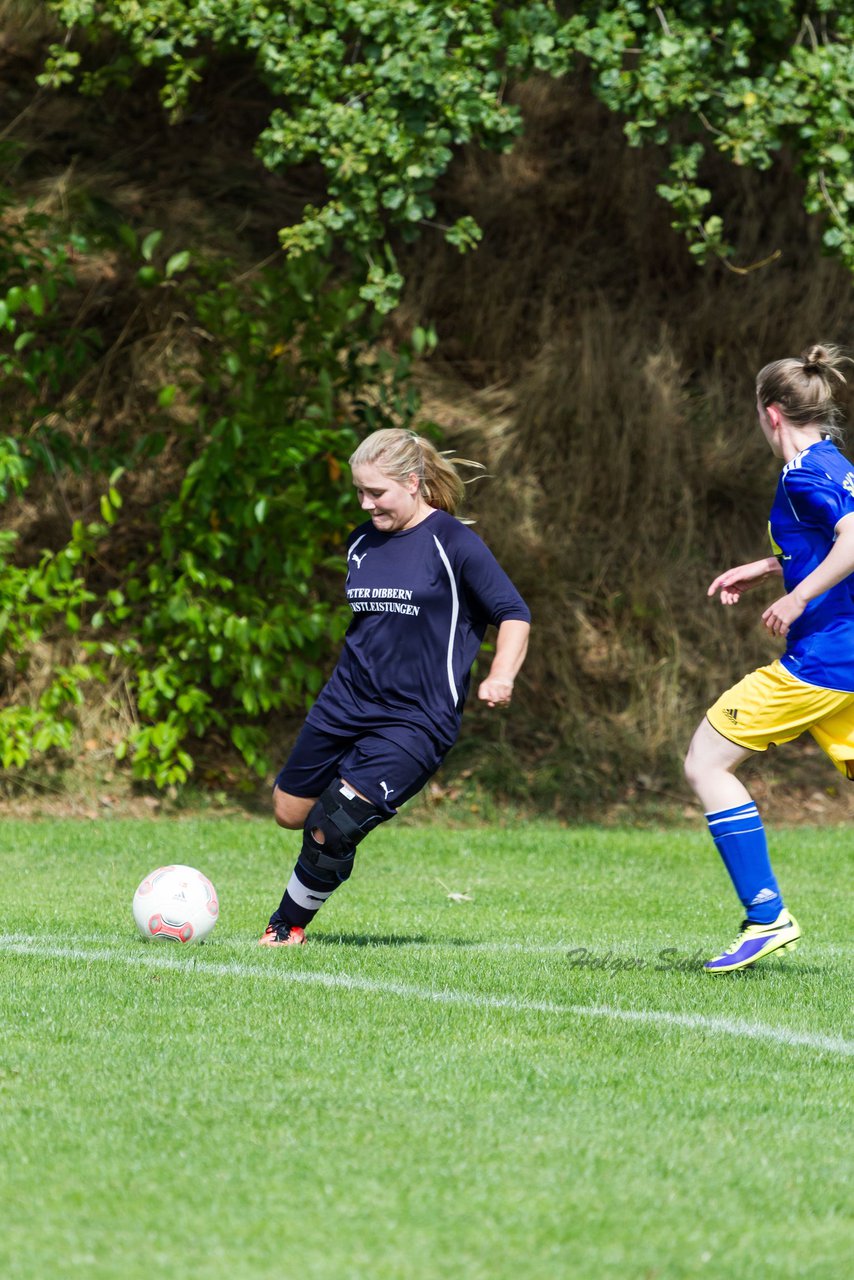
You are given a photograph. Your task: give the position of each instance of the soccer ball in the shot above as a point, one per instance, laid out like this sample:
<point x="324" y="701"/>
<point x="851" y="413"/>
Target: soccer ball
<point x="176" y="903"/>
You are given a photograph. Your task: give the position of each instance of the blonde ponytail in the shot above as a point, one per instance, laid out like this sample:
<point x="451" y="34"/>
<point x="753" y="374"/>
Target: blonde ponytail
<point x="400" y="454"/>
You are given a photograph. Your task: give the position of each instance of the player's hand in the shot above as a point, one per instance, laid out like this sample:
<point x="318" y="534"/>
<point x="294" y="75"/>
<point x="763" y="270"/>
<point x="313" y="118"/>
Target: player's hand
<point x="495" y="691"/>
<point x="735" y="582"/>
<point x="779" y="616"/>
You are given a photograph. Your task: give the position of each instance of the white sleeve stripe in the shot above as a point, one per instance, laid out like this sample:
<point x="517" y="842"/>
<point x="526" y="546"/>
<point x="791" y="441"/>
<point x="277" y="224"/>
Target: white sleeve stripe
<point x="350" y="556"/>
<point x="791" y="504"/>
<point x="455" y="610"/>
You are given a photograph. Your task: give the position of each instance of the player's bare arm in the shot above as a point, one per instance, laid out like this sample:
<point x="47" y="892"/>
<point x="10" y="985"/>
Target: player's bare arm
<point x="510" y="648"/>
<point x="736" y="581"/>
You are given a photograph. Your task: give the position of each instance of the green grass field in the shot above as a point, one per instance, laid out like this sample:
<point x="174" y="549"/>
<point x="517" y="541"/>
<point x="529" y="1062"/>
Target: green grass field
<point x="538" y="1082"/>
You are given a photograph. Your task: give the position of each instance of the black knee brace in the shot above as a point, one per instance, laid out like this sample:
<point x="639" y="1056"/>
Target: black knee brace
<point x="345" y="819"/>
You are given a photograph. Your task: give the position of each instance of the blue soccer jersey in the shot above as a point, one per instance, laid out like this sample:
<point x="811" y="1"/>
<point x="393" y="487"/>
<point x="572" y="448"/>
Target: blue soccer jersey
<point x="422" y="599"/>
<point x="815" y="490"/>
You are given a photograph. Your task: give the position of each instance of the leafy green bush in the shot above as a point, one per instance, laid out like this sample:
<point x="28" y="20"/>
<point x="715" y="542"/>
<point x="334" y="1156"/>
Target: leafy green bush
<point x="224" y="606"/>
<point x="380" y="94"/>
<point x="35" y="601"/>
<point x="38" y="357"/>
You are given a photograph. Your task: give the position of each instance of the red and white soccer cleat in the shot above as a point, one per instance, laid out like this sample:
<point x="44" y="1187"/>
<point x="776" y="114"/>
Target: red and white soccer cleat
<point x="282" y="935"/>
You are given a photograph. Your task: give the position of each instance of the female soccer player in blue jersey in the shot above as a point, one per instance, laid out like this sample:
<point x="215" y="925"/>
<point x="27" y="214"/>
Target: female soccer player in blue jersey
<point x="423" y="588"/>
<point x="811" y="687"/>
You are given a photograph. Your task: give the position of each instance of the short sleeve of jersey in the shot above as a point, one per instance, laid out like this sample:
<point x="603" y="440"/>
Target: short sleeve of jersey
<point x="486" y="585"/>
<point x="818" y="499"/>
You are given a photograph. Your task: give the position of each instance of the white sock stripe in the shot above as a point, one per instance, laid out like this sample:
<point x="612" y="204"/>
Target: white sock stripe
<point x="738" y="817"/>
<point x="722" y="835"/>
<point x="18" y="944"/>
<point x="308" y="899"/>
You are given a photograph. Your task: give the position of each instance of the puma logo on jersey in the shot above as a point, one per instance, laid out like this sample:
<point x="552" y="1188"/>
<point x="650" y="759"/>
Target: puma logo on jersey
<point x="387" y="791"/>
<point x="352" y="553"/>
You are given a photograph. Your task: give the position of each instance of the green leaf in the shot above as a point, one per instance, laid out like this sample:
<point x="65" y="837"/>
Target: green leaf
<point x="177" y="263"/>
<point x="35" y="300"/>
<point x="127" y="235"/>
<point x="150" y="243"/>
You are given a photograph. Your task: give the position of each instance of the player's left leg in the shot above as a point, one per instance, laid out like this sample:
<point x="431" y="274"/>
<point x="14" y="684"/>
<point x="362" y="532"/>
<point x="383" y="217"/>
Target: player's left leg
<point x="374" y="778"/>
<point x="835" y="735"/>
<point x="291" y="811"/>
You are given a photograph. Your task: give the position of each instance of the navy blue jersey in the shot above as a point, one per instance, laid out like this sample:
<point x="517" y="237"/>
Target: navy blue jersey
<point x="422" y="599"/>
<point x="815" y="490"/>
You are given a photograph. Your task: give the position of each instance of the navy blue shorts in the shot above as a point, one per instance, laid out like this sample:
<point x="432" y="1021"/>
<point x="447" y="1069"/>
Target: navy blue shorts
<point x="378" y="768"/>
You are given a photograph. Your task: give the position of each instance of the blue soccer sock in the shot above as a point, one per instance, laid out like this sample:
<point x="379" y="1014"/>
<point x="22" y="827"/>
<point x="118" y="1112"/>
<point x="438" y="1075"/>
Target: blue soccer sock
<point x="739" y="837"/>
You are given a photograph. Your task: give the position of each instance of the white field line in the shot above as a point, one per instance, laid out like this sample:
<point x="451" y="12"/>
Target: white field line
<point x="18" y="944"/>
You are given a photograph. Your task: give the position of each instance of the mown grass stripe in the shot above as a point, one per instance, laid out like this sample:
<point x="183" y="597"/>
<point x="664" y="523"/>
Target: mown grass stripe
<point x="18" y="944"/>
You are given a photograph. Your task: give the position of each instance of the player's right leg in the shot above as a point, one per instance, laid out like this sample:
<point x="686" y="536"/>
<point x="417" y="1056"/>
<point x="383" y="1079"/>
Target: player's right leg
<point x="755" y="941"/>
<point x="311" y="767"/>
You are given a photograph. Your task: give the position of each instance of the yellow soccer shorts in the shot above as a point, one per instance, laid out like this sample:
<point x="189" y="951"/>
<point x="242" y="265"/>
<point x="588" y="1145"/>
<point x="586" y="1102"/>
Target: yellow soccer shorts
<point x="770" y="706"/>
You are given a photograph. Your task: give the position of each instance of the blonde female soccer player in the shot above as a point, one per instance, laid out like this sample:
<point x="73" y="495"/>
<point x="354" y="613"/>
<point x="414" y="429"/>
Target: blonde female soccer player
<point x="811" y="687"/>
<point x="423" y="588"/>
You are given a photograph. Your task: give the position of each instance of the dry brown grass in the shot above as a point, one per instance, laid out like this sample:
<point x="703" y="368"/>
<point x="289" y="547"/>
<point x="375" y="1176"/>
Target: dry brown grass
<point x="608" y="383"/>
